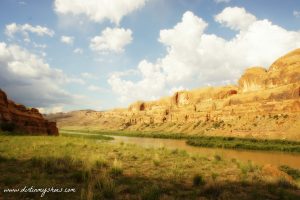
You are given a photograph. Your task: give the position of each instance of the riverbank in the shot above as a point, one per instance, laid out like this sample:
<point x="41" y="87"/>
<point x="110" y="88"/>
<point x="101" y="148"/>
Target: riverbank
<point x="98" y="169"/>
<point x="209" y="141"/>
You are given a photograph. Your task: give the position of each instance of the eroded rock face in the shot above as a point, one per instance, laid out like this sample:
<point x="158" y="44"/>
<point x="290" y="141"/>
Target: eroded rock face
<point x="254" y="79"/>
<point x="285" y="70"/>
<point x="18" y="118"/>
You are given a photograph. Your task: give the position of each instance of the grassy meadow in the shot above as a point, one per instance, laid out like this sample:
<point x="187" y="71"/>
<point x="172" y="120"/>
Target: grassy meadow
<point x="98" y="169"/>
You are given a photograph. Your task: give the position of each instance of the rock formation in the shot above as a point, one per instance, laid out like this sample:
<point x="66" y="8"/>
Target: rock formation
<point x="18" y="118"/>
<point x="265" y="104"/>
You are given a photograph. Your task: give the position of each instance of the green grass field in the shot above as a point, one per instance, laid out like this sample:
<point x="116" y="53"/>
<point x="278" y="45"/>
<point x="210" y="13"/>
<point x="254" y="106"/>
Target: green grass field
<point x="98" y="169"/>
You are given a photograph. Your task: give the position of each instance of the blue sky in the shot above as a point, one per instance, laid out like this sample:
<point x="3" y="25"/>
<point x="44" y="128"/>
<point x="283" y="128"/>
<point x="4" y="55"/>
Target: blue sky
<point x="61" y="55"/>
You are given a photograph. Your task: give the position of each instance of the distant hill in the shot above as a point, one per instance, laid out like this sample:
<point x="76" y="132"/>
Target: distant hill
<point x="264" y="104"/>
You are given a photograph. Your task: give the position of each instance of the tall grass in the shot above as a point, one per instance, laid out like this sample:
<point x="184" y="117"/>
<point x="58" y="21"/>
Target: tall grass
<point x="245" y="143"/>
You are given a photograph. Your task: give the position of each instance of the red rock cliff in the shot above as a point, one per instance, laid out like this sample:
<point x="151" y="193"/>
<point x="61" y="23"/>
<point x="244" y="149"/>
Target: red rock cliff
<point x="18" y="118"/>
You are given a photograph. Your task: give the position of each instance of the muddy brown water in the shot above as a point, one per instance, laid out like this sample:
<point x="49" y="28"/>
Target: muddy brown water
<point x="258" y="157"/>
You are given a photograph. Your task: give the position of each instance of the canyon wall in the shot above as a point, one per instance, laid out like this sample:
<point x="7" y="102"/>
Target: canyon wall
<point x="264" y="104"/>
<point x="17" y="118"/>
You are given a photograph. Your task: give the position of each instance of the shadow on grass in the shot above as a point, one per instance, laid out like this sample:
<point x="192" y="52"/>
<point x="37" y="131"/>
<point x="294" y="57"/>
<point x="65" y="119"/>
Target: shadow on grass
<point x="14" y="133"/>
<point x="96" y="182"/>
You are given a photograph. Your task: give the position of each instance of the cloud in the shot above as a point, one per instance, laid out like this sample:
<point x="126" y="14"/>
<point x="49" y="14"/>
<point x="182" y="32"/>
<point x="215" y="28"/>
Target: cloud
<point x="41" y="46"/>
<point x="150" y="87"/>
<point x="296" y="13"/>
<point x="95" y="88"/>
<point x="78" y="51"/>
<point x="67" y="39"/>
<point x="25" y="29"/>
<point x="222" y="1"/>
<point x="97" y="11"/>
<point x="235" y="18"/>
<point x="23" y="3"/>
<point x="29" y="80"/>
<point x="49" y="110"/>
<point x="111" y="40"/>
<point x="87" y="75"/>
<point x="198" y="59"/>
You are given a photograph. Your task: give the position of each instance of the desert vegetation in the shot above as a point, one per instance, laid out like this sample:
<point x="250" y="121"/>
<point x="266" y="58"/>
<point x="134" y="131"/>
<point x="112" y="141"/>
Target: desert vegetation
<point x="98" y="169"/>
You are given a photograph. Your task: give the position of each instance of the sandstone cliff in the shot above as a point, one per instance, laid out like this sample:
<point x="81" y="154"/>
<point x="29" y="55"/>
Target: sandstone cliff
<point x="18" y="118"/>
<point x="264" y="104"/>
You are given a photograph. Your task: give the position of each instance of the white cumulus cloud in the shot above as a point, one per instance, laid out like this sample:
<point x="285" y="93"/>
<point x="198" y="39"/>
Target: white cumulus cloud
<point x="150" y="87"/>
<point x="235" y="18"/>
<point x="67" y="39"/>
<point x="195" y="58"/>
<point x="111" y="40"/>
<point x="99" y="10"/>
<point x="25" y="29"/>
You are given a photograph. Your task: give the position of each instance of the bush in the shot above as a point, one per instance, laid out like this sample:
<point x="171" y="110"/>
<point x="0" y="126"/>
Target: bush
<point x="214" y="176"/>
<point x="156" y="160"/>
<point x="217" y="157"/>
<point x="198" y="180"/>
<point x="117" y="168"/>
<point x="295" y="173"/>
<point x="8" y="126"/>
<point x="218" y="124"/>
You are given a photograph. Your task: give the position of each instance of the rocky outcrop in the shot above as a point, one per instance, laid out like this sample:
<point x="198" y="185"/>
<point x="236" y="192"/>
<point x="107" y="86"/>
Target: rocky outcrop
<point x="283" y="71"/>
<point x="253" y="79"/>
<point x="265" y="104"/>
<point x="18" y="118"/>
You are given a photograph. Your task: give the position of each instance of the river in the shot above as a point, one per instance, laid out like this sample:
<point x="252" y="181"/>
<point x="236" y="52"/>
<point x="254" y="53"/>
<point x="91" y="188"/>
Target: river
<point x="258" y="157"/>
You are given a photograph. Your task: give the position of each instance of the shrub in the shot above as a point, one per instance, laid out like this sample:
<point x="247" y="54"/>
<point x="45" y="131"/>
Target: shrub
<point x="156" y="160"/>
<point x="217" y="157"/>
<point x="218" y="124"/>
<point x="116" y="168"/>
<point x="8" y="126"/>
<point x="214" y="176"/>
<point x="198" y="180"/>
<point x="246" y="168"/>
<point x="295" y="173"/>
